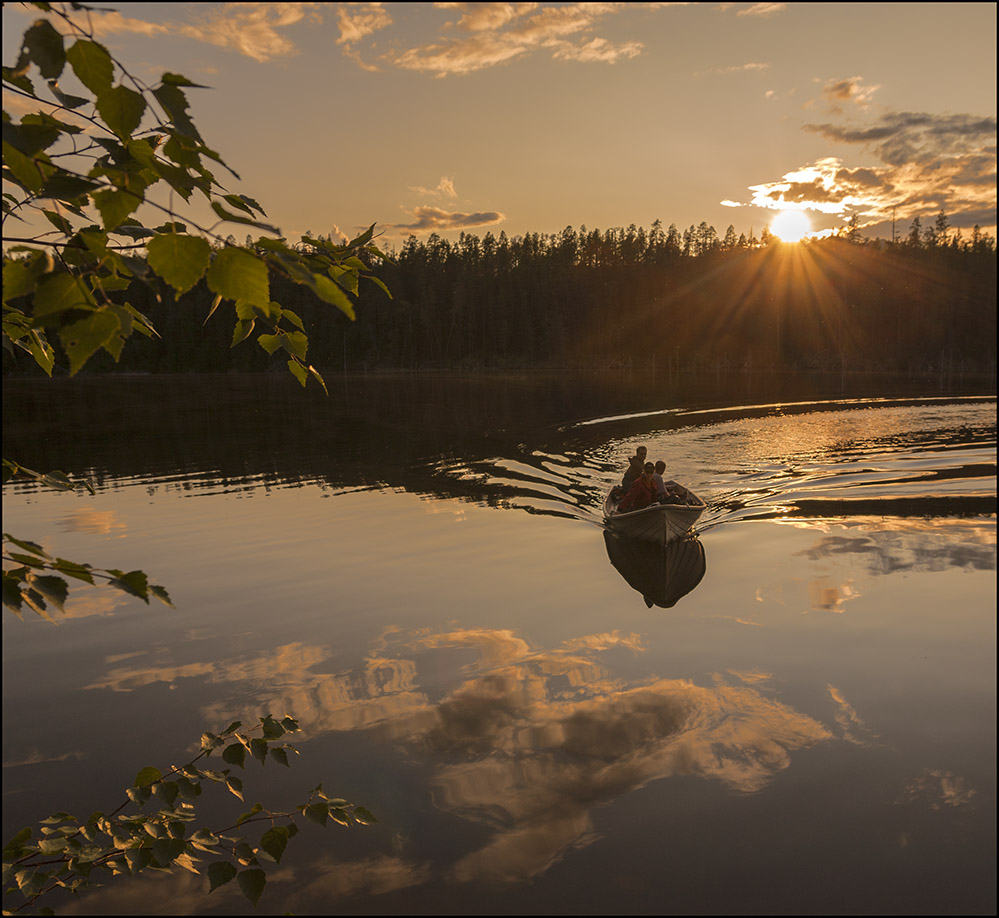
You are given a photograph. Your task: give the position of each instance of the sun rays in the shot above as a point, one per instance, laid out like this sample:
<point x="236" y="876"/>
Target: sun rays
<point x="791" y="225"/>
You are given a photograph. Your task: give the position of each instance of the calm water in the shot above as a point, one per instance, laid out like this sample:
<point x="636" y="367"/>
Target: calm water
<point x="803" y="721"/>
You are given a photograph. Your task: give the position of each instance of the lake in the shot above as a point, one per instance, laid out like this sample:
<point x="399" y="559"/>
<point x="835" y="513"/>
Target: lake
<point x="794" y="713"/>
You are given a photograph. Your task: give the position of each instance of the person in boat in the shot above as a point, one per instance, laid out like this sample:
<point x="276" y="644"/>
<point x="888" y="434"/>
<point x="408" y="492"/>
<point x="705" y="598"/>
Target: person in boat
<point x="662" y="492"/>
<point x="642" y="493"/>
<point x="636" y="465"/>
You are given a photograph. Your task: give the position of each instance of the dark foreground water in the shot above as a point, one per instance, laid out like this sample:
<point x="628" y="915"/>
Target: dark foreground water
<point x="793" y="714"/>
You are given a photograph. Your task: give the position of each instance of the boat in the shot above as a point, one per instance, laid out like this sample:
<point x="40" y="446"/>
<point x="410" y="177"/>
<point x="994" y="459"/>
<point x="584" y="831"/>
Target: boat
<point x="662" y="574"/>
<point x="659" y="523"/>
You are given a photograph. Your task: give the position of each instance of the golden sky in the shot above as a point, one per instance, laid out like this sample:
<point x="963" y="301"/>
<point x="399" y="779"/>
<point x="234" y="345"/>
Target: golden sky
<point x="532" y="116"/>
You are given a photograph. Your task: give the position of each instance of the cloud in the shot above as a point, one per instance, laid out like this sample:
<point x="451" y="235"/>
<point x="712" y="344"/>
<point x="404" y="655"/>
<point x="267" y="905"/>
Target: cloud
<point x="762" y="9"/>
<point x="904" y="137"/>
<point x="496" y="33"/>
<point x="479" y="17"/>
<point x="431" y="219"/>
<point x="737" y="68"/>
<point x="360" y="20"/>
<point x="928" y="163"/>
<point x="250" y="29"/>
<point x="445" y="188"/>
<point x="851" y="89"/>
<point x="599" y="49"/>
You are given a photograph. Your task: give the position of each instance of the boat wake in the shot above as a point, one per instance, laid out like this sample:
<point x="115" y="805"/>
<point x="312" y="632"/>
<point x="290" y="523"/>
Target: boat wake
<point x="917" y="458"/>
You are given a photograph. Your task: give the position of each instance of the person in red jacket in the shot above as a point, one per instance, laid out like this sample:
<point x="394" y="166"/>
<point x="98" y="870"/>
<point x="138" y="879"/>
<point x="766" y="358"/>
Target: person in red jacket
<point x="635" y="465"/>
<point x="642" y="492"/>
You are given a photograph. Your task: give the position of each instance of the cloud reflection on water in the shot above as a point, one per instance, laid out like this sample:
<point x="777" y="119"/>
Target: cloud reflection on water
<point x="525" y="741"/>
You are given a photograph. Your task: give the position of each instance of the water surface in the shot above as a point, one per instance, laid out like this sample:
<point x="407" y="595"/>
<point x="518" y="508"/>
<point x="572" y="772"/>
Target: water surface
<point x="416" y="569"/>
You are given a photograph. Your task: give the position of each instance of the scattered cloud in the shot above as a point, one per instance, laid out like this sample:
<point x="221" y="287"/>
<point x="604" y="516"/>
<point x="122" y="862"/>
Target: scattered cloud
<point x="251" y="29"/>
<point x="479" y="17"/>
<point x="853" y="728"/>
<point x="445" y="189"/>
<point x="904" y="137"/>
<point x="489" y="34"/>
<point x="598" y="49"/>
<point x="927" y="163"/>
<point x="737" y="68"/>
<point x="433" y="219"/>
<point x="850" y="90"/>
<point x="357" y="21"/>
<point x="938" y="789"/>
<point x="762" y="9"/>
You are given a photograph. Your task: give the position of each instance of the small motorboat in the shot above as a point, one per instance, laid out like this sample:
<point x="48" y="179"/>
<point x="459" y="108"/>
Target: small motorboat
<point x="659" y="523"/>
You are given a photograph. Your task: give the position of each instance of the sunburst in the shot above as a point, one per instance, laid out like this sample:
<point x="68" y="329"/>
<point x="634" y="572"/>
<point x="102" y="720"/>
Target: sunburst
<point x="791" y="225"/>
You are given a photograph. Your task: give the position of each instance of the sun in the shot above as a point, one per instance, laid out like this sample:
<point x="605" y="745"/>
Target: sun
<point x="791" y="225"/>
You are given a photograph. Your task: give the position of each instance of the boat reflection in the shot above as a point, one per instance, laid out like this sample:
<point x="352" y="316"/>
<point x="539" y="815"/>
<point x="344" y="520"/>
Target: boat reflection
<point x="662" y="574"/>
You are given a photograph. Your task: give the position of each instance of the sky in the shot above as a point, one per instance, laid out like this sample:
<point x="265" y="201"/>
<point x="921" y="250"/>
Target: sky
<point x="530" y="117"/>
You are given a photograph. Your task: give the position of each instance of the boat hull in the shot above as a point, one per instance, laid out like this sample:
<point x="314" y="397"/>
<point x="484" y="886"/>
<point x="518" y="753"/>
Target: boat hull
<point x="660" y="523"/>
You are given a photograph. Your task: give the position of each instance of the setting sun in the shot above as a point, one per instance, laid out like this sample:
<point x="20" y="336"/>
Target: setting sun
<point x="791" y="226"/>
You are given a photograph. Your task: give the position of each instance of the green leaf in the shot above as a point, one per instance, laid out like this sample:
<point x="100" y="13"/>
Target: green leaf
<point x="271" y="728"/>
<point x="188" y="789"/>
<point x="168" y="790"/>
<point x="20" y="277"/>
<point x="215" y="305"/>
<point x="242" y="331"/>
<point x="58" y="481"/>
<point x="252" y="883"/>
<point x="280" y="755"/>
<point x="180" y="260"/>
<point x="115" y="206"/>
<point x="44" y="44"/>
<point x="54" y="589"/>
<point x="234" y="754"/>
<point x="296" y="344"/>
<point x="298" y="371"/>
<point x="28" y="171"/>
<point x="235" y="786"/>
<point x="12" y="850"/>
<point x="122" y="109"/>
<point x="318" y="376"/>
<point x="274" y="841"/>
<point x="66" y="186"/>
<point x="138" y="859"/>
<point x="363" y="816"/>
<point x="365" y="237"/>
<point x="81" y="339"/>
<point x="220" y="873"/>
<point x="60" y="292"/>
<point x="378" y="282"/>
<point x="92" y="65"/>
<point x="329" y="292"/>
<point x="33" y="547"/>
<point x="146" y="776"/>
<point x="256" y="808"/>
<point x="73" y="569"/>
<point x="258" y="749"/>
<point x="237" y="274"/>
<point x="236" y="218"/>
<point x="134" y="583"/>
<point x="65" y="99"/>
<point x="317" y="813"/>
<point x="270" y="343"/>
<point x="174" y="103"/>
<point x="57" y="819"/>
<point x="161" y="594"/>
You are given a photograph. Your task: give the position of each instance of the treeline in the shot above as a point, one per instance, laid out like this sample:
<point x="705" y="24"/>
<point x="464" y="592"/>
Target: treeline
<point x="626" y="297"/>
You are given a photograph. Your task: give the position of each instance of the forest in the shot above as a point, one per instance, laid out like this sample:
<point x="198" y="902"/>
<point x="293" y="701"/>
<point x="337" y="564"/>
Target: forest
<point x="680" y="301"/>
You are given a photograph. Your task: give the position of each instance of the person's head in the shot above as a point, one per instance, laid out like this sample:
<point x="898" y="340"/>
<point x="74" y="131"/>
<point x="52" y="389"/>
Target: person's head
<point x="642" y="451"/>
<point x="660" y="467"/>
<point x="648" y="470"/>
